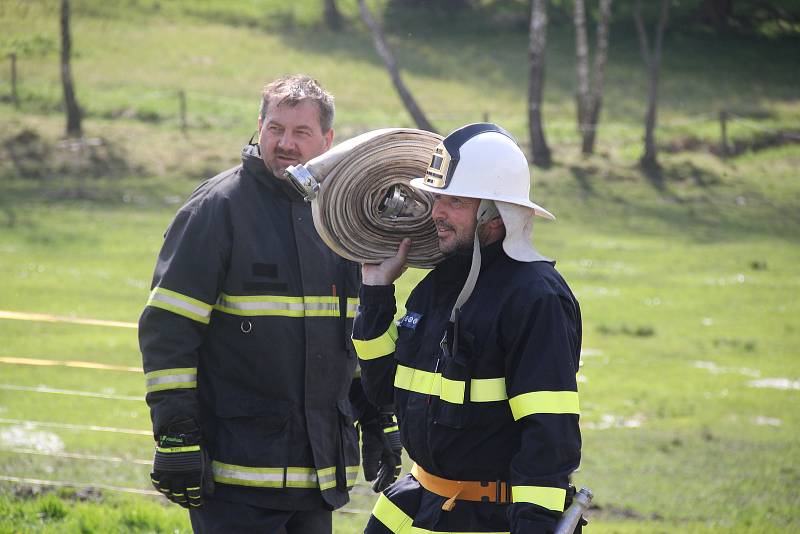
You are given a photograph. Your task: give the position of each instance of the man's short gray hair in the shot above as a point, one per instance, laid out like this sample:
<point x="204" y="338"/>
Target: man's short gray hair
<point x="292" y="89"/>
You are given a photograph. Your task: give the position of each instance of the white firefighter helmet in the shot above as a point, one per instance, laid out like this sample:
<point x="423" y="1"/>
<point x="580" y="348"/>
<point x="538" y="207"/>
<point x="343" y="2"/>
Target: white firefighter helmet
<point x="483" y="161"/>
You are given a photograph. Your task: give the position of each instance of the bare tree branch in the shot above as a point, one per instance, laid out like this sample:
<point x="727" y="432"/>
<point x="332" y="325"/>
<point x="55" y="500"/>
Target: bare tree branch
<point x="391" y="65"/>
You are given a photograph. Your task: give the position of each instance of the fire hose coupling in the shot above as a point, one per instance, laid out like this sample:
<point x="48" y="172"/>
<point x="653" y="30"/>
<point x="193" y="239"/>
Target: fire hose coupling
<point x="302" y="181"/>
<point x="393" y="203"/>
<point x="575" y="513"/>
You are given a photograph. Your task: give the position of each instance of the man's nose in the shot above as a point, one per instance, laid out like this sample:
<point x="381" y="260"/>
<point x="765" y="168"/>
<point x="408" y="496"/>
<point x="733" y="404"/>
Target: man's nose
<point x="286" y="140"/>
<point x="437" y="214"/>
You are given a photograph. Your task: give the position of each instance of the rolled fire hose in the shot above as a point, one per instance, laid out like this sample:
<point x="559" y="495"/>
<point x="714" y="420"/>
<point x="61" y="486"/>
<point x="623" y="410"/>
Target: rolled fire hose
<point x="360" y="199"/>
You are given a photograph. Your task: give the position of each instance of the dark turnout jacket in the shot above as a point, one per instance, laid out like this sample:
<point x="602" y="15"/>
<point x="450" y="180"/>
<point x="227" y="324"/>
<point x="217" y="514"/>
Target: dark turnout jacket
<point x="247" y="332"/>
<point x="501" y="403"/>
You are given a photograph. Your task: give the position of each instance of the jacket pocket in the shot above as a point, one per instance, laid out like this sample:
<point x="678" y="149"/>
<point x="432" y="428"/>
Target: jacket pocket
<point x="253" y="436"/>
<point x="452" y="406"/>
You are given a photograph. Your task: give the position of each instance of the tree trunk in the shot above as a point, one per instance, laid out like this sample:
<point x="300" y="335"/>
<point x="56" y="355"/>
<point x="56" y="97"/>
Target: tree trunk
<point x="73" y="110"/>
<point x="590" y="96"/>
<point x="391" y="65"/>
<point x="333" y="19"/>
<point x="598" y="80"/>
<point x="652" y="60"/>
<point x="540" y="152"/>
<point x="582" y="66"/>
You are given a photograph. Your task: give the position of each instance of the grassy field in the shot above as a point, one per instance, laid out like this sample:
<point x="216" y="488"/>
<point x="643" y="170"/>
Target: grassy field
<point x="688" y="281"/>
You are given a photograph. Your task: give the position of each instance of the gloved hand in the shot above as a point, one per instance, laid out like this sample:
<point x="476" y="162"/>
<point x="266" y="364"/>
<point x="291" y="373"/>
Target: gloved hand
<point x="381" y="450"/>
<point x="181" y="468"/>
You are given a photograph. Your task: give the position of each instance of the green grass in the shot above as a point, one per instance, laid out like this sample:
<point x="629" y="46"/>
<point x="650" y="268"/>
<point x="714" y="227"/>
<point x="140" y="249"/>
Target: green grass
<point x="688" y="281"/>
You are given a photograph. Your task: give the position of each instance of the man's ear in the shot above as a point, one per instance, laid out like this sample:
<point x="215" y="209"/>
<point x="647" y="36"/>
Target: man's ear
<point x="260" y="121"/>
<point x="496" y="223"/>
<point x="328" y="139"/>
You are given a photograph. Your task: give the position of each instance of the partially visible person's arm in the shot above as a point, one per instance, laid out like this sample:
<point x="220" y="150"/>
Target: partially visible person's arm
<point x="187" y="280"/>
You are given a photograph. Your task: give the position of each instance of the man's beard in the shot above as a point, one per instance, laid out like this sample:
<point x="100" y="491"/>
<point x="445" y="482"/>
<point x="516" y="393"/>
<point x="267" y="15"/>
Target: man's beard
<point x="459" y="244"/>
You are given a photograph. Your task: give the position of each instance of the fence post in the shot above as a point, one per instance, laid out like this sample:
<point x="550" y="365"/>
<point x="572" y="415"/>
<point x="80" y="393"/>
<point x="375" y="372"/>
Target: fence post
<point x="182" y="100"/>
<point x="485" y="116"/>
<point x="723" y="131"/>
<point x="14" y="94"/>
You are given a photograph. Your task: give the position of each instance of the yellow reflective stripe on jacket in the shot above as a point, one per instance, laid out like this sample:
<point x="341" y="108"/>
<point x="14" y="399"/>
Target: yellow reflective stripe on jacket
<point x="398" y="522"/>
<point x="352" y="306"/>
<point x="307" y="306"/>
<point x="417" y="380"/>
<point x="351" y="472"/>
<point x="382" y="345"/>
<point x="188" y="307"/>
<point x="273" y="477"/>
<point x="544" y="402"/>
<point x="550" y="498"/>
<point x="453" y="391"/>
<point x="181" y="378"/>
<point x="261" y="477"/>
<point x="488" y="390"/>
<point x="327" y="478"/>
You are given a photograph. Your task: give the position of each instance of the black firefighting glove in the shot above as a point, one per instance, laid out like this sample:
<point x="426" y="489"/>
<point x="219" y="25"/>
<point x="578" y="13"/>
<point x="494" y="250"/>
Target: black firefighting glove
<point x="381" y="450"/>
<point x="181" y="468"/>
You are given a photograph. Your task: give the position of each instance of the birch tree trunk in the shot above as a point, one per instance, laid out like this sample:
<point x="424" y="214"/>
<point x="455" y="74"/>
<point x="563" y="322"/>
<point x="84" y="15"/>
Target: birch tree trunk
<point x="599" y="76"/>
<point x="590" y="96"/>
<point x="652" y="60"/>
<point x="73" y="110"/>
<point x="582" y="66"/>
<point x="391" y="65"/>
<point x="540" y="152"/>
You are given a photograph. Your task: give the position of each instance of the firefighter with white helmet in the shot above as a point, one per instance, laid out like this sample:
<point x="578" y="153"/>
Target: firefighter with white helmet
<point x="482" y="366"/>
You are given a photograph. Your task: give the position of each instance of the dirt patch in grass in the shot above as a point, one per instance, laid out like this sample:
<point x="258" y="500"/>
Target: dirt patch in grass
<point x="736" y="147"/>
<point x="27" y="154"/>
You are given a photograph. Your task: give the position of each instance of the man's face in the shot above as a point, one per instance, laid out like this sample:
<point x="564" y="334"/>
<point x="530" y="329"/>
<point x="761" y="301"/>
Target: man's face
<point x="455" y="222"/>
<point x="291" y="135"/>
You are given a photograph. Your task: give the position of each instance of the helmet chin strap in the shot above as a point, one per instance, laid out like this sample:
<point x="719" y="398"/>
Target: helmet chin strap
<point x="487" y="210"/>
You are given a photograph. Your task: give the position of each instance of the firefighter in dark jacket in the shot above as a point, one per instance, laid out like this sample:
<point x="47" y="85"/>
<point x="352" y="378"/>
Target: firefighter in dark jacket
<point x="246" y="345"/>
<point x="482" y="366"/>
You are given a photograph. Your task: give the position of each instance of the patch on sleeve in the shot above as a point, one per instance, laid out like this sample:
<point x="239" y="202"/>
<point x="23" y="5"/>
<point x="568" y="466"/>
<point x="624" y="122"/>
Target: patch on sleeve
<point x="409" y="320"/>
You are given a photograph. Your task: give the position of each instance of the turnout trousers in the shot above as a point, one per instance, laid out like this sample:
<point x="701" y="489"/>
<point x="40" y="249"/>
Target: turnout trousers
<point x="223" y="517"/>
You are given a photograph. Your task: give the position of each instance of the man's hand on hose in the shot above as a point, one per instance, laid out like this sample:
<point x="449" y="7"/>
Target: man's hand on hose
<point x="381" y="451"/>
<point x="181" y="468"/>
<point x="385" y="273"/>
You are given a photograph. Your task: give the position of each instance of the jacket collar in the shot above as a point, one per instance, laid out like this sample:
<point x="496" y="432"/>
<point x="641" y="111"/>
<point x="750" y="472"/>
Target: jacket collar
<point x="254" y="167"/>
<point x="455" y="267"/>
